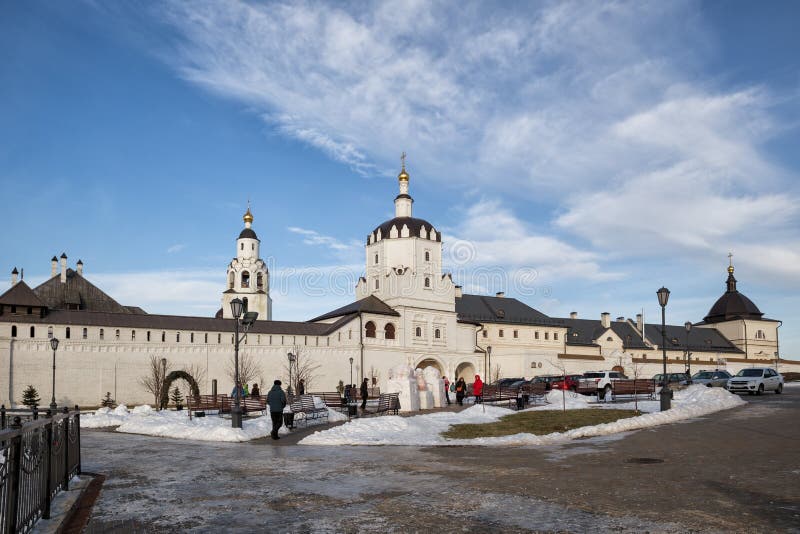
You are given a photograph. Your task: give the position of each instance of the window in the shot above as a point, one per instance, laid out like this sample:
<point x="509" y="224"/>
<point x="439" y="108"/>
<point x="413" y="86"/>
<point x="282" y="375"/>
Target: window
<point x="427" y="255"/>
<point x="376" y="259"/>
<point x="116" y="334"/>
<point x="133" y="335"/>
<point x="67" y="333"/>
<point x="13" y="330"/>
<point x="427" y="282"/>
<point x="547" y="335"/>
<point x="33" y="332"/>
<point x="148" y="335"/>
<point x="85" y="333"/>
<point x="437" y="334"/>
<point x="245" y="279"/>
<point x="260" y="281"/>
<point x="555" y="336"/>
<point x="205" y="338"/>
<point x="163" y="337"/>
<point x="500" y="332"/>
<point x="177" y="337"/>
<point x="377" y="283"/>
<point x="245" y="304"/>
<point x="349" y="334"/>
<point x="485" y="333"/>
<point x="49" y="332"/>
<point x="418" y="331"/>
<point x="230" y="280"/>
<point x="252" y="246"/>
<point x="13" y="309"/>
<point x="191" y="337"/>
<point x="102" y="333"/>
<point x="516" y="334"/>
<point x="536" y="335"/>
<point x="241" y="247"/>
<point x="370" y="329"/>
<point x="219" y="339"/>
<point x="760" y="334"/>
<point x="30" y="310"/>
<point x="388" y="331"/>
<point x="609" y="338"/>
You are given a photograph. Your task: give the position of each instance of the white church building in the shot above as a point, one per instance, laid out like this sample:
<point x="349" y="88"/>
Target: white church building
<point x="406" y="311"/>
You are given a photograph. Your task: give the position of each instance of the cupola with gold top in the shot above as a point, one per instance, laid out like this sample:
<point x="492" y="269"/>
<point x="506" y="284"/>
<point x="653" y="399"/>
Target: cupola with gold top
<point x="732" y="304"/>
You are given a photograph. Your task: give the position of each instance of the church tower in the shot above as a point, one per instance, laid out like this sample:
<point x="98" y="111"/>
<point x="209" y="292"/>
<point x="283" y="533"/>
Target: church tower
<point x="248" y="276"/>
<point x="404" y="259"/>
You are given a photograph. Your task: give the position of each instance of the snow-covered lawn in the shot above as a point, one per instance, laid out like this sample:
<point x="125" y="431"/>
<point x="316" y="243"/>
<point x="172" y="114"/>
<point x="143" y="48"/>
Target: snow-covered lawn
<point x="169" y="424"/>
<point x="425" y="430"/>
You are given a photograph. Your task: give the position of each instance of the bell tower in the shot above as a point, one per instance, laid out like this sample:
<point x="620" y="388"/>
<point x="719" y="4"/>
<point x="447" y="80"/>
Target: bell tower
<point x="248" y="276"/>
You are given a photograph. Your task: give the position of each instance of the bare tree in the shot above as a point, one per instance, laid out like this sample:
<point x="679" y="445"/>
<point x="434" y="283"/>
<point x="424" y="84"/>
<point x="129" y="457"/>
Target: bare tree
<point x="374" y="376"/>
<point x="636" y="369"/>
<point x="249" y="368"/>
<point x="198" y="372"/>
<point x="562" y="368"/>
<point x="496" y="372"/>
<point x="304" y="368"/>
<point x="153" y="381"/>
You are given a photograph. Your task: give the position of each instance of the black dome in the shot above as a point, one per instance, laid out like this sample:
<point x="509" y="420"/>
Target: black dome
<point x="732" y="305"/>
<point x="414" y="226"/>
<point x="248" y="233"/>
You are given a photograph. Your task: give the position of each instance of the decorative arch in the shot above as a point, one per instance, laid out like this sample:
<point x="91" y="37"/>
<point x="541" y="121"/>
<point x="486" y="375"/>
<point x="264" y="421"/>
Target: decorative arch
<point x="389" y="331"/>
<point x="369" y="328"/>
<point x="245" y="279"/>
<point x="465" y="370"/>
<point x="259" y="281"/>
<point x="173" y="376"/>
<point x="431" y="362"/>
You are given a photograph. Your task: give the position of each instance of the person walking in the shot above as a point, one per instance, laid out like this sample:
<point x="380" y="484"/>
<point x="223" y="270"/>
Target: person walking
<point x="237" y="391"/>
<point x="301" y="387"/>
<point x="276" y="399"/>
<point x="477" y="389"/>
<point x="461" y="389"/>
<point x="255" y="392"/>
<point x="364" y="394"/>
<point x="446" y="389"/>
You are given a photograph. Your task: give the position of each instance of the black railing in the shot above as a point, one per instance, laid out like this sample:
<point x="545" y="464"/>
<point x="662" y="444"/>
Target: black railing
<point x="38" y="458"/>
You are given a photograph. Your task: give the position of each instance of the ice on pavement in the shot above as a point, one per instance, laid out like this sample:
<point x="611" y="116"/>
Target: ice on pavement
<point x="425" y="430"/>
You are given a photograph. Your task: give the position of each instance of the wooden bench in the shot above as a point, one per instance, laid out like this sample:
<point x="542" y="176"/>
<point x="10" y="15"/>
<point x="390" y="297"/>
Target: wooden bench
<point x="331" y="399"/>
<point x="253" y="404"/>
<point x="494" y="394"/>
<point x="305" y="404"/>
<point x="203" y="403"/>
<point x="388" y="402"/>
<point x="640" y="386"/>
<point x="535" y="392"/>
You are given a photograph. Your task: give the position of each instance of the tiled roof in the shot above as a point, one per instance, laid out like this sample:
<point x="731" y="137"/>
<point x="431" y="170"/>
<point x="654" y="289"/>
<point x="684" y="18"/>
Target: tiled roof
<point x="77" y="291"/>
<point x="20" y="294"/>
<point x="509" y="310"/>
<point x="701" y="339"/>
<point x="370" y="304"/>
<point x="588" y="331"/>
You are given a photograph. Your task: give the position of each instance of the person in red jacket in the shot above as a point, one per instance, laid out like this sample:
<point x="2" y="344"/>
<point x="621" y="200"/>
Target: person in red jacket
<point x="477" y="388"/>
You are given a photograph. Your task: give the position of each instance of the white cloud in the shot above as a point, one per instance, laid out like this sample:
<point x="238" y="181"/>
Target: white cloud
<point x="312" y="237"/>
<point x="176" y="248"/>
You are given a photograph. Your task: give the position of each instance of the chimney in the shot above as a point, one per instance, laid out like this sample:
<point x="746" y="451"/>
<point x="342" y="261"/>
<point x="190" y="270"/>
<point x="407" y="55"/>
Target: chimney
<point x="605" y="319"/>
<point x="459" y="292"/>
<point x="639" y="322"/>
<point x="79" y="266"/>
<point x="53" y="266"/>
<point x="573" y="315"/>
<point x="14" y="274"/>
<point x="500" y="294"/>
<point x="620" y="319"/>
<point x="63" y="268"/>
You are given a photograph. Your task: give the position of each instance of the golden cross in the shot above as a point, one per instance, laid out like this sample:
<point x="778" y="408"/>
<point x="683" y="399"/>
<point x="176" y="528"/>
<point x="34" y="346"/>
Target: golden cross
<point x="730" y="258"/>
<point x="403" y="160"/>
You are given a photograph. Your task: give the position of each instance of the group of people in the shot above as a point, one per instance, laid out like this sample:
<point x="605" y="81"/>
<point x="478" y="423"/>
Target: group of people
<point x="350" y="393"/>
<point x="244" y="391"/>
<point x="460" y="389"/>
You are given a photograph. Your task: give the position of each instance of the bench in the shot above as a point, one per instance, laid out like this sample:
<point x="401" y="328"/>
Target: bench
<point x="305" y="404"/>
<point x="331" y="399"/>
<point x="500" y="394"/>
<point x="388" y="402"/>
<point x="203" y="403"/>
<point x="253" y="404"/>
<point x="534" y="391"/>
<point x="641" y="386"/>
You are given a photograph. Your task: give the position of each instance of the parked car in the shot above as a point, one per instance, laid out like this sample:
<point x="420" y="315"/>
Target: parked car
<point x="716" y="378"/>
<point x="548" y="380"/>
<point x="507" y="381"/>
<point x="568" y="382"/>
<point x="599" y="382"/>
<point x="679" y="379"/>
<point x="756" y="380"/>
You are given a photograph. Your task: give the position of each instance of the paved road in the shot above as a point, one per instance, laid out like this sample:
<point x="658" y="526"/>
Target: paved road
<point x="738" y="470"/>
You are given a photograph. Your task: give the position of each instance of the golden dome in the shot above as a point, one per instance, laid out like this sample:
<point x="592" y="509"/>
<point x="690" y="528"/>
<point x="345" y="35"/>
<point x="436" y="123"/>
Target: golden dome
<point x="248" y="217"/>
<point x="730" y="269"/>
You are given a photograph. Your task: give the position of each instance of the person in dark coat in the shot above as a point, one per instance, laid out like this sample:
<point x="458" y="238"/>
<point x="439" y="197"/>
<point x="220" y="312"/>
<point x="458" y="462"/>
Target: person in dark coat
<point x="255" y="392"/>
<point x="301" y="387"/>
<point x="276" y="399"/>
<point x="461" y="390"/>
<point x="364" y="394"/>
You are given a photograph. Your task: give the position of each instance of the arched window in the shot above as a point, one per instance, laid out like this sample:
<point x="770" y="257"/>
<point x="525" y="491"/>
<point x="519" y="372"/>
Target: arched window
<point x="33" y="332"/>
<point x="206" y="338"/>
<point x="376" y="259"/>
<point x="163" y="337"/>
<point x="13" y="330"/>
<point x="191" y="337"/>
<point x="241" y="247"/>
<point x="116" y="334"/>
<point x="219" y="339"/>
<point x="177" y="337"/>
<point x="259" y="281"/>
<point x="427" y="255"/>
<point x="437" y="334"/>
<point x="427" y="282"/>
<point x="148" y="335"/>
<point x="418" y="331"/>
<point x="50" y="332"/>
<point x="388" y="331"/>
<point x="245" y="279"/>
<point x="85" y="333"/>
<point x="133" y="335"/>
<point x="66" y="333"/>
<point x="230" y="280"/>
<point x="370" y="329"/>
<point x="102" y="333"/>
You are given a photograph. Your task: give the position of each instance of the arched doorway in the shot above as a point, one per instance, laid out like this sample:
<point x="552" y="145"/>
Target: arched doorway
<point x="618" y="369"/>
<point x="465" y="370"/>
<point x="430" y="362"/>
<point x="177" y="375"/>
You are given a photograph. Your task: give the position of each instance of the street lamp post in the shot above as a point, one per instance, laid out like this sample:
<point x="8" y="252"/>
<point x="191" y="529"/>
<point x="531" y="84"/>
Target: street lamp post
<point x="292" y="359"/>
<point x="237" y="306"/>
<point x="688" y="326"/>
<point x="489" y="368"/>
<point x="351" y="372"/>
<point x="663" y="297"/>
<point x="53" y="405"/>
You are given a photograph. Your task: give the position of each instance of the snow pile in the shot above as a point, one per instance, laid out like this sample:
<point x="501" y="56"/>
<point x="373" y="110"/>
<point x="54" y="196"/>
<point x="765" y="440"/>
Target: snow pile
<point x="426" y="429"/>
<point x="105" y="417"/>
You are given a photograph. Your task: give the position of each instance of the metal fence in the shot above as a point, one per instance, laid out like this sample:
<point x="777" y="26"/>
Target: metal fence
<point x="38" y="458"/>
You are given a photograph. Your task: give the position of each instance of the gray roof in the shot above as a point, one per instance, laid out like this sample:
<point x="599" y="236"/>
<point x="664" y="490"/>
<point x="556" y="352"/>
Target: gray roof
<point x="370" y="304"/>
<point x="21" y="294"/>
<point x="414" y="226"/>
<point x="705" y="339"/>
<point x="174" y="322"/>
<point x="248" y="233"/>
<point x="588" y="331"/>
<point x="482" y="309"/>
<point x="77" y="291"/>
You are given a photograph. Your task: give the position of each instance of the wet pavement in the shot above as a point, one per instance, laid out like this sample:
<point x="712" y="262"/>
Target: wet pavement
<point x="737" y="470"/>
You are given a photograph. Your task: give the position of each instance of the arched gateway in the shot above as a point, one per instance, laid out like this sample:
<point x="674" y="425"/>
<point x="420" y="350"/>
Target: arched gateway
<point x="466" y="371"/>
<point x="430" y="362"/>
<point x="176" y="375"/>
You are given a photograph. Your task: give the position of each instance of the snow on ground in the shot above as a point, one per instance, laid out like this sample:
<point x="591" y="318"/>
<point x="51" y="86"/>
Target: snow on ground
<point x="169" y="424"/>
<point x="425" y="430"/>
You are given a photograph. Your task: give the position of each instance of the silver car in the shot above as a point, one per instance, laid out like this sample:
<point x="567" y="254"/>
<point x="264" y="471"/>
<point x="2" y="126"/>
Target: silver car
<point x="715" y="378"/>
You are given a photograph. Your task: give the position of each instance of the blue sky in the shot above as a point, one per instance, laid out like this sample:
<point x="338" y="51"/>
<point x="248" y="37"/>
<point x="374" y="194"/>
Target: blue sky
<point x="578" y="155"/>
